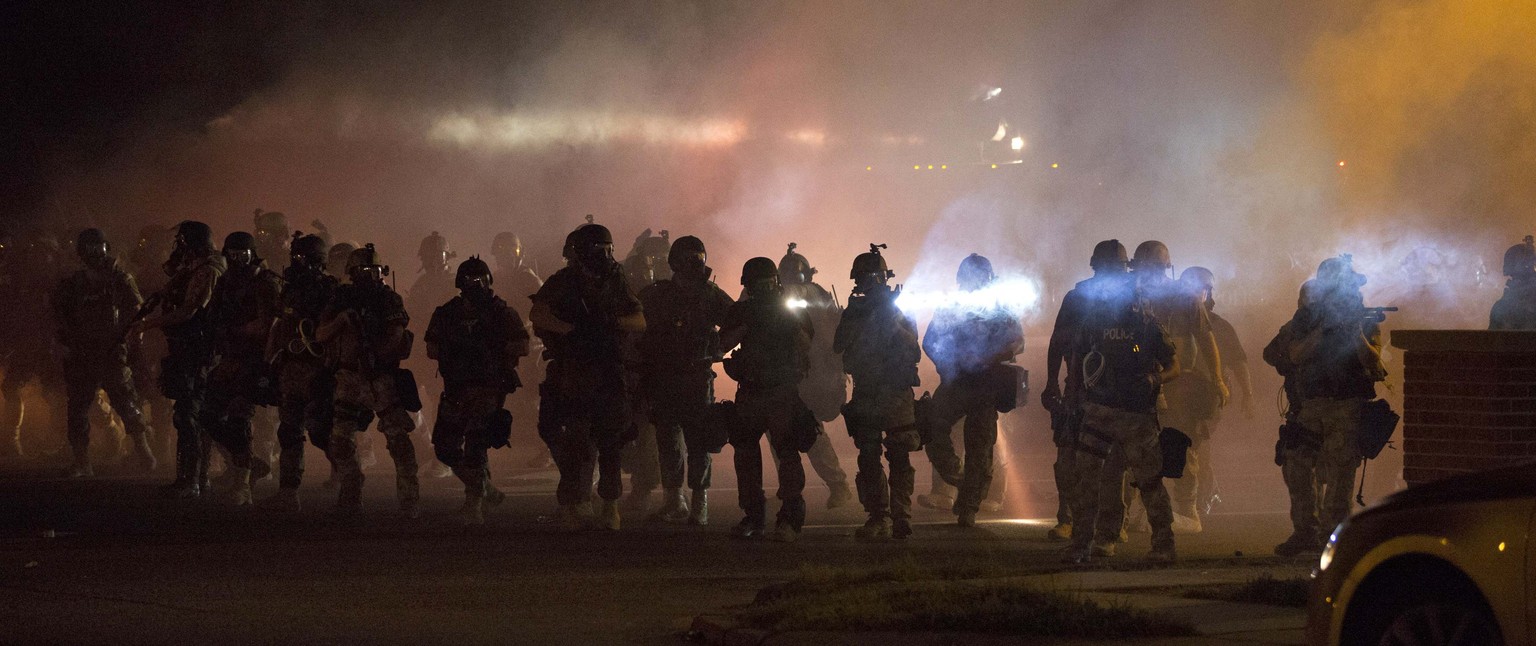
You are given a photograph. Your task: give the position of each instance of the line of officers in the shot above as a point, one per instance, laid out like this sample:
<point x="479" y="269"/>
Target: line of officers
<point x="328" y="356"/>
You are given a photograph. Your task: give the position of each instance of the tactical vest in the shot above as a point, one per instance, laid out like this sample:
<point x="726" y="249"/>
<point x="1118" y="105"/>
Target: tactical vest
<point x="90" y="308"/>
<point x="678" y="331"/>
<point x="472" y="341"/>
<point x="176" y="293"/>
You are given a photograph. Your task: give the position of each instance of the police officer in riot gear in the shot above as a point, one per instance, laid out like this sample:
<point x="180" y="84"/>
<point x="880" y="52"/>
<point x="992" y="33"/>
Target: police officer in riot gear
<point x="880" y="351"/>
<point x="305" y="384"/>
<point x="432" y="288"/>
<point x="367" y="321"/>
<point x="1126" y="357"/>
<point x="92" y="309"/>
<point x="241" y="312"/>
<point x="195" y="268"/>
<point x="774" y="338"/>
<point x="681" y="341"/>
<point x="582" y="314"/>
<point x="1332" y="353"/>
<point x="1110" y="281"/>
<point x="1234" y="361"/>
<point x="825" y="387"/>
<point x="645" y="264"/>
<point x="969" y="345"/>
<point x="476" y="340"/>
<point x="1195" y="399"/>
<point x="1516" y="310"/>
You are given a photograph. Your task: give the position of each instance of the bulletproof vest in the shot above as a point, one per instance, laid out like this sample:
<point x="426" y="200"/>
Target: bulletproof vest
<point x="306" y="292"/>
<point x="90" y="306"/>
<point x="1179" y="312"/>
<point x="1335" y="371"/>
<point x="965" y="340"/>
<point x="775" y="349"/>
<point x="472" y="339"/>
<point x="237" y="299"/>
<point x="592" y="307"/>
<point x="175" y="292"/>
<point x="1117" y="343"/>
<point x="874" y="355"/>
<point x="677" y="330"/>
<point x="377" y="308"/>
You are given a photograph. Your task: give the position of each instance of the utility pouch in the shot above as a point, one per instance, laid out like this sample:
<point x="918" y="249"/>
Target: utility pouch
<point x="1377" y="423"/>
<point x="499" y="429"/>
<point x="1175" y="446"/>
<point x="922" y="413"/>
<point x="1008" y="385"/>
<point x="406" y="393"/>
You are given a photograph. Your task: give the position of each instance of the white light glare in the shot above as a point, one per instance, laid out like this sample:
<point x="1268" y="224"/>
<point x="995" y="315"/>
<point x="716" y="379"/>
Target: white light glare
<point x="1018" y="294"/>
<point x="1017" y="144"/>
<point x="524" y="130"/>
<point x="796" y="303"/>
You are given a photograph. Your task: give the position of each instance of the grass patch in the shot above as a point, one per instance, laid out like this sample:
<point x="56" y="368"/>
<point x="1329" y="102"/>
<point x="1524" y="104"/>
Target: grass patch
<point x="1265" y="589"/>
<point x="904" y="595"/>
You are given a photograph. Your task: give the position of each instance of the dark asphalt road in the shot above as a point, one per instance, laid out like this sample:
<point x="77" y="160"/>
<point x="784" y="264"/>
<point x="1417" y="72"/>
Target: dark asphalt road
<point x="122" y="566"/>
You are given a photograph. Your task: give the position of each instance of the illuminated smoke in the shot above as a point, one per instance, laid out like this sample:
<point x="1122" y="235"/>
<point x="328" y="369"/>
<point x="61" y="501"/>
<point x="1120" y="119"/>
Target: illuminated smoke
<point x="581" y="128"/>
<point x="1019" y="295"/>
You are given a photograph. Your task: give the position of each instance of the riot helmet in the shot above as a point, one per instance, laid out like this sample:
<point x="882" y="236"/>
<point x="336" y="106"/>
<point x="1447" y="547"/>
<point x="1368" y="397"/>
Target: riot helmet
<point x="1200" y="280"/>
<point x="473" y="277"/>
<point x="590" y="246"/>
<point x="433" y="252"/>
<point x="869" y="268"/>
<point x="1339" y="271"/>
<point x="975" y="273"/>
<point x="366" y="266"/>
<point x="1109" y="256"/>
<point x="794" y="269"/>
<point x="688" y="257"/>
<point x="1520" y="260"/>
<point x="271" y="229"/>
<point x="507" y="249"/>
<point x="91" y="245"/>
<point x="240" y="249"/>
<point x="192" y="235"/>
<point x="759" y="273"/>
<point x="307" y="250"/>
<point x="1151" y="256"/>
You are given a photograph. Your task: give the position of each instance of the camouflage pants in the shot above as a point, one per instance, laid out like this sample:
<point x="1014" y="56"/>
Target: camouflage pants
<point x="955" y="399"/>
<point x="1135" y="437"/>
<point x="461" y="437"/>
<point x="873" y="414"/>
<point x="582" y="412"/>
<point x="359" y="398"/>
<point x="1337" y="422"/>
<point x="770" y="412"/>
<point x="227" y="407"/>
<point x="306" y="392"/>
<point x="678" y="403"/>
<point x="1198" y="486"/>
<point x="83" y="377"/>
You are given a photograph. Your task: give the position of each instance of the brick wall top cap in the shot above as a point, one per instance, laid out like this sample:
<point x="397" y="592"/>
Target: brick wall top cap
<point x="1465" y="340"/>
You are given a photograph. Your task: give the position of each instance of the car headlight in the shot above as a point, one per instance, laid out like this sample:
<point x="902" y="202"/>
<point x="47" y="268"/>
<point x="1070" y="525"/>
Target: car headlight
<point x="1326" y="559"/>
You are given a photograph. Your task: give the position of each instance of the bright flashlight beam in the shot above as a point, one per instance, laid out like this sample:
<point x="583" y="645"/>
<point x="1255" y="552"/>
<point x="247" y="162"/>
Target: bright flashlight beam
<point x="796" y="303"/>
<point x="1018" y="294"/>
<point x="1017" y="143"/>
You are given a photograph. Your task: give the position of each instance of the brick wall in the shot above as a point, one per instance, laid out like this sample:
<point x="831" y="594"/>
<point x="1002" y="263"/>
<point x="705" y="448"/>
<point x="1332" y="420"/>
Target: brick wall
<point x="1469" y="400"/>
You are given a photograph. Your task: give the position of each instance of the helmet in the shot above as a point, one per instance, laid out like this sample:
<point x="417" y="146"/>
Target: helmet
<point x="506" y="243"/>
<point x="871" y="262"/>
<point x="1520" y="260"/>
<point x="91" y="244"/>
<point x="1340" y="270"/>
<point x="794" y="268"/>
<point x="1109" y="254"/>
<point x="307" y="249"/>
<point x="758" y="268"/>
<point x="687" y="254"/>
<point x="472" y="271"/>
<point x="1198" y="277"/>
<point x="240" y="240"/>
<point x="240" y="248"/>
<point x="590" y="245"/>
<point x="338" y="257"/>
<point x="433" y="251"/>
<point x="271" y="221"/>
<point x="366" y="260"/>
<point x="195" y="235"/>
<point x="975" y="272"/>
<point x="1152" y="254"/>
<point x="652" y="246"/>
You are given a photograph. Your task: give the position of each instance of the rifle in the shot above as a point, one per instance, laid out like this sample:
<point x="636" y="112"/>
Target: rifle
<point x="1376" y="314"/>
<point x="145" y="309"/>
